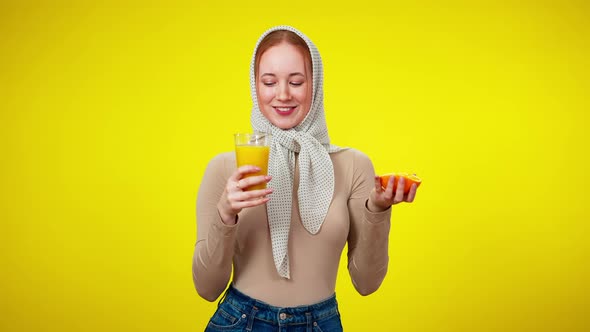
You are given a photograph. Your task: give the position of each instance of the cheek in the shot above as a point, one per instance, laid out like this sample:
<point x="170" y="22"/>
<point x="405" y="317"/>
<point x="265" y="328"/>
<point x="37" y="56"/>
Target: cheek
<point x="265" y="95"/>
<point x="302" y="96"/>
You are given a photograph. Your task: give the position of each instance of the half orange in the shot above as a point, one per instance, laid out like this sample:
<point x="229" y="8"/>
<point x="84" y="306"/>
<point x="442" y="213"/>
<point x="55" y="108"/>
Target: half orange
<point x="409" y="180"/>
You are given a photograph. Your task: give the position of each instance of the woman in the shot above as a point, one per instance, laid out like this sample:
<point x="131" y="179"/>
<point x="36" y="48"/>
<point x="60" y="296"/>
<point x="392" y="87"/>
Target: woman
<point x="285" y="242"/>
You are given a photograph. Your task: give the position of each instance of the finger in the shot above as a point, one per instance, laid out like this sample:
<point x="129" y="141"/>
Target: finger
<point x="236" y="197"/>
<point x="255" y="194"/>
<point x="378" y="187"/>
<point x="412" y="193"/>
<point x="243" y="170"/>
<point x="232" y="186"/>
<point x="252" y="203"/>
<point x="399" y="192"/>
<point x="254" y="180"/>
<point x="390" y="185"/>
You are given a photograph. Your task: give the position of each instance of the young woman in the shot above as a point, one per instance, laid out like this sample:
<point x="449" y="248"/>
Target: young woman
<point x="284" y="242"/>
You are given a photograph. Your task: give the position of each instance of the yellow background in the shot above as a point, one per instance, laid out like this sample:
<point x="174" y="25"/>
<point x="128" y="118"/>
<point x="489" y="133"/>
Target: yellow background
<point x="110" y="112"/>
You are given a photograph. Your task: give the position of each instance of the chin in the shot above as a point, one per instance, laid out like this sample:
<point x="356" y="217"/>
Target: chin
<point x="285" y="127"/>
<point x="282" y="124"/>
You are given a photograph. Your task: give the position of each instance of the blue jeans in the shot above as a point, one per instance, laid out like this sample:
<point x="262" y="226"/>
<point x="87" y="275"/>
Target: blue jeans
<point x="239" y="312"/>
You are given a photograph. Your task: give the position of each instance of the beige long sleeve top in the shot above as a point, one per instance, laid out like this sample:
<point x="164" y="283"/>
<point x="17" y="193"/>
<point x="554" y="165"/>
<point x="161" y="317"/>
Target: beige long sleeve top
<point x="314" y="259"/>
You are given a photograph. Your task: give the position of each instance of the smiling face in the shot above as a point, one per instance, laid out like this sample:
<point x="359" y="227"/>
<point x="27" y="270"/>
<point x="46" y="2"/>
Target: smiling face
<point x="284" y="85"/>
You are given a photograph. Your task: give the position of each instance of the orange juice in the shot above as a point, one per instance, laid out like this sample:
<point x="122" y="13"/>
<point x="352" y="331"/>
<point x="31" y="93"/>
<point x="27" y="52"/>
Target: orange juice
<point x="253" y="155"/>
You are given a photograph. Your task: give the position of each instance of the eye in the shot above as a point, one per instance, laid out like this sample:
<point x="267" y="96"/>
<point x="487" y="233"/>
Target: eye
<point x="268" y="83"/>
<point x="296" y="83"/>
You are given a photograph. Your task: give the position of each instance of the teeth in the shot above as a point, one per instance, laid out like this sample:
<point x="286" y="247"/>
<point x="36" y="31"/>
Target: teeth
<point x="284" y="109"/>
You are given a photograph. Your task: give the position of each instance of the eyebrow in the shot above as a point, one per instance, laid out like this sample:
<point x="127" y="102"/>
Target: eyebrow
<point x="292" y="74"/>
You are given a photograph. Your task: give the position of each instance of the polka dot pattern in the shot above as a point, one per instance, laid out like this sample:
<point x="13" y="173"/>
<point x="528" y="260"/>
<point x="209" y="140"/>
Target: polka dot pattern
<point x="316" y="173"/>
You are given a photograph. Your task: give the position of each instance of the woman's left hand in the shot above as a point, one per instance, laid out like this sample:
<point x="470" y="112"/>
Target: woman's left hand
<point x="381" y="200"/>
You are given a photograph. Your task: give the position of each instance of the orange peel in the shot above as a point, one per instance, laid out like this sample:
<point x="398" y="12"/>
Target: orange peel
<point x="409" y="180"/>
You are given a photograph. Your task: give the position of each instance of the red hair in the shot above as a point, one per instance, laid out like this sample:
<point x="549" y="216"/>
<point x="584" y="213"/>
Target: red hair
<point x="277" y="37"/>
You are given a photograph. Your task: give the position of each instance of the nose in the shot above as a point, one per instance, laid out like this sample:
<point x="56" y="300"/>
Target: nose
<point x="283" y="92"/>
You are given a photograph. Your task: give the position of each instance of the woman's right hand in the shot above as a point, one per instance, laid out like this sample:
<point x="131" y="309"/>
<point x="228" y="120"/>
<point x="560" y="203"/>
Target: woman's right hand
<point x="235" y="198"/>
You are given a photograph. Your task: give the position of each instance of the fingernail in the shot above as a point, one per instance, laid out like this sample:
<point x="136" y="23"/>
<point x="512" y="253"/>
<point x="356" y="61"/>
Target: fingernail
<point x="268" y="177"/>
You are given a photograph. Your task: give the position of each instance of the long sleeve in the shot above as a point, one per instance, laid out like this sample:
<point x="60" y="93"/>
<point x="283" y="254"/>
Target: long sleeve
<point x="368" y="238"/>
<point x="214" y="250"/>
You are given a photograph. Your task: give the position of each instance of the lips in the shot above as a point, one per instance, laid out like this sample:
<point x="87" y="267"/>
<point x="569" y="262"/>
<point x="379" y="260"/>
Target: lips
<point x="285" y="111"/>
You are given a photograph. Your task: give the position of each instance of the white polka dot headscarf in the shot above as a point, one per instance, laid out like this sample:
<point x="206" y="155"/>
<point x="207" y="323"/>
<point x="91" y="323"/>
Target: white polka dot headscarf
<point x="316" y="172"/>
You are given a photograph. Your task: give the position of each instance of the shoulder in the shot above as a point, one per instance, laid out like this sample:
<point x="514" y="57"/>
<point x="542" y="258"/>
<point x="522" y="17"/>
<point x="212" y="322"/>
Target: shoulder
<point x="223" y="162"/>
<point x="350" y="156"/>
<point x="356" y="168"/>
<point x="353" y="162"/>
<point x="223" y="158"/>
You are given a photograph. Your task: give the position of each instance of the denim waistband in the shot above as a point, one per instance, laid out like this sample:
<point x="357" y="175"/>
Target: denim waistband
<point x="278" y="315"/>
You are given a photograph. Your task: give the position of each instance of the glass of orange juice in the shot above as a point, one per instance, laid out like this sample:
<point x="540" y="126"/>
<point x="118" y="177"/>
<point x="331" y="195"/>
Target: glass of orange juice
<point x="253" y="149"/>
